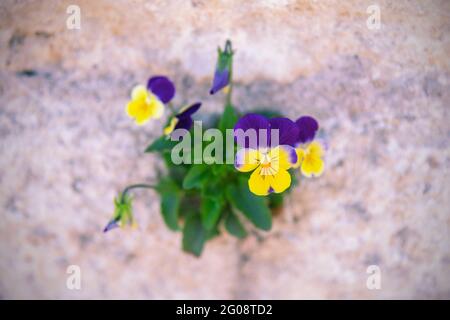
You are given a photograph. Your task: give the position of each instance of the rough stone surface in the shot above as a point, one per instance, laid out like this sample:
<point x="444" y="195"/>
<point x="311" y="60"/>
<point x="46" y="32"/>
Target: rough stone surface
<point x="382" y="98"/>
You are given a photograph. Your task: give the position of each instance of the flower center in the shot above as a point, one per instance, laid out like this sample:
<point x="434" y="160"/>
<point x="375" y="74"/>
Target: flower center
<point x="144" y="106"/>
<point x="266" y="165"/>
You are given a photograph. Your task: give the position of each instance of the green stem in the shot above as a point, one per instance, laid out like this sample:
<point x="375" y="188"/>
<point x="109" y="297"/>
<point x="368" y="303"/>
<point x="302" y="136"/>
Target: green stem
<point x="136" y="186"/>
<point x="228" y="49"/>
<point x="230" y="89"/>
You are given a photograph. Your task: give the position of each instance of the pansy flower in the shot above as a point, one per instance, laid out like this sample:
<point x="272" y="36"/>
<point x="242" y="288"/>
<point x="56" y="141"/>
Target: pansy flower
<point x="269" y="158"/>
<point x="182" y="120"/>
<point x="123" y="213"/>
<point x="222" y="74"/>
<point x="309" y="151"/>
<point x="148" y="102"/>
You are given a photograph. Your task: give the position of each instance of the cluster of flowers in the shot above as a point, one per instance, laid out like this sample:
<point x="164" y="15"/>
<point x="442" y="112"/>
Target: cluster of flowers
<point x="269" y="162"/>
<point x="296" y="148"/>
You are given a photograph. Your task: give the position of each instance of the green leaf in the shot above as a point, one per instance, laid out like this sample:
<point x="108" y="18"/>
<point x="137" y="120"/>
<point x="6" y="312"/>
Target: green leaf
<point x="161" y="144"/>
<point x="228" y="119"/>
<point x="170" y="202"/>
<point x="253" y="207"/>
<point x="212" y="233"/>
<point x="218" y="169"/>
<point x="175" y="172"/>
<point x="210" y="212"/>
<point x="195" y="176"/>
<point x="275" y="200"/>
<point x="194" y="235"/>
<point x="213" y="187"/>
<point x="234" y="226"/>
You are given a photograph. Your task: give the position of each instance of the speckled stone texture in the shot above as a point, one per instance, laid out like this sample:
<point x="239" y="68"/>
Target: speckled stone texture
<point x="382" y="98"/>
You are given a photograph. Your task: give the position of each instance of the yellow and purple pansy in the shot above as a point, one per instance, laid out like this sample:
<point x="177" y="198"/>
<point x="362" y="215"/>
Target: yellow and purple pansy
<point x="182" y="120"/>
<point x="148" y="102"/>
<point x="268" y="157"/>
<point x="309" y="151"/>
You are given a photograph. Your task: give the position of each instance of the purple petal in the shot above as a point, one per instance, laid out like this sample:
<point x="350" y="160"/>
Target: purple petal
<point x="292" y="154"/>
<point x="221" y="80"/>
<point x="189" y="111"/>
<point x="162" y="87"/>
<point x="184" y="123"/>
<point x="287" y="130"/>
<point x="253" y="138"/>
<point x="111" y="225"/>
<point x="308" y="127"/>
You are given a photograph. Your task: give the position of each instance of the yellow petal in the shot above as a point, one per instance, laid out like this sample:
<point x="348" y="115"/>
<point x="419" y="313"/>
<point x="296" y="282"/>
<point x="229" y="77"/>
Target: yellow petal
<point x="139" y="92"/>
<point x="280" y="181"/>
<point x="137" y="108"/>
<point x="142" y="119"/>
<point x="156" y="108"/>
<point x="300" y="155"/>
<point x="247" y="160"/>
<point x="143" y="114"/>
<point x="259" y="184"/>
<point x="315" y="149"/>
<point x="282" y="157"/>
<point x="312" y="166"/>
<point x="184" y="108"/>
<point x="145" y="106"/>
<point x="132" y="108"/>
<point x="169" y="129"/>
